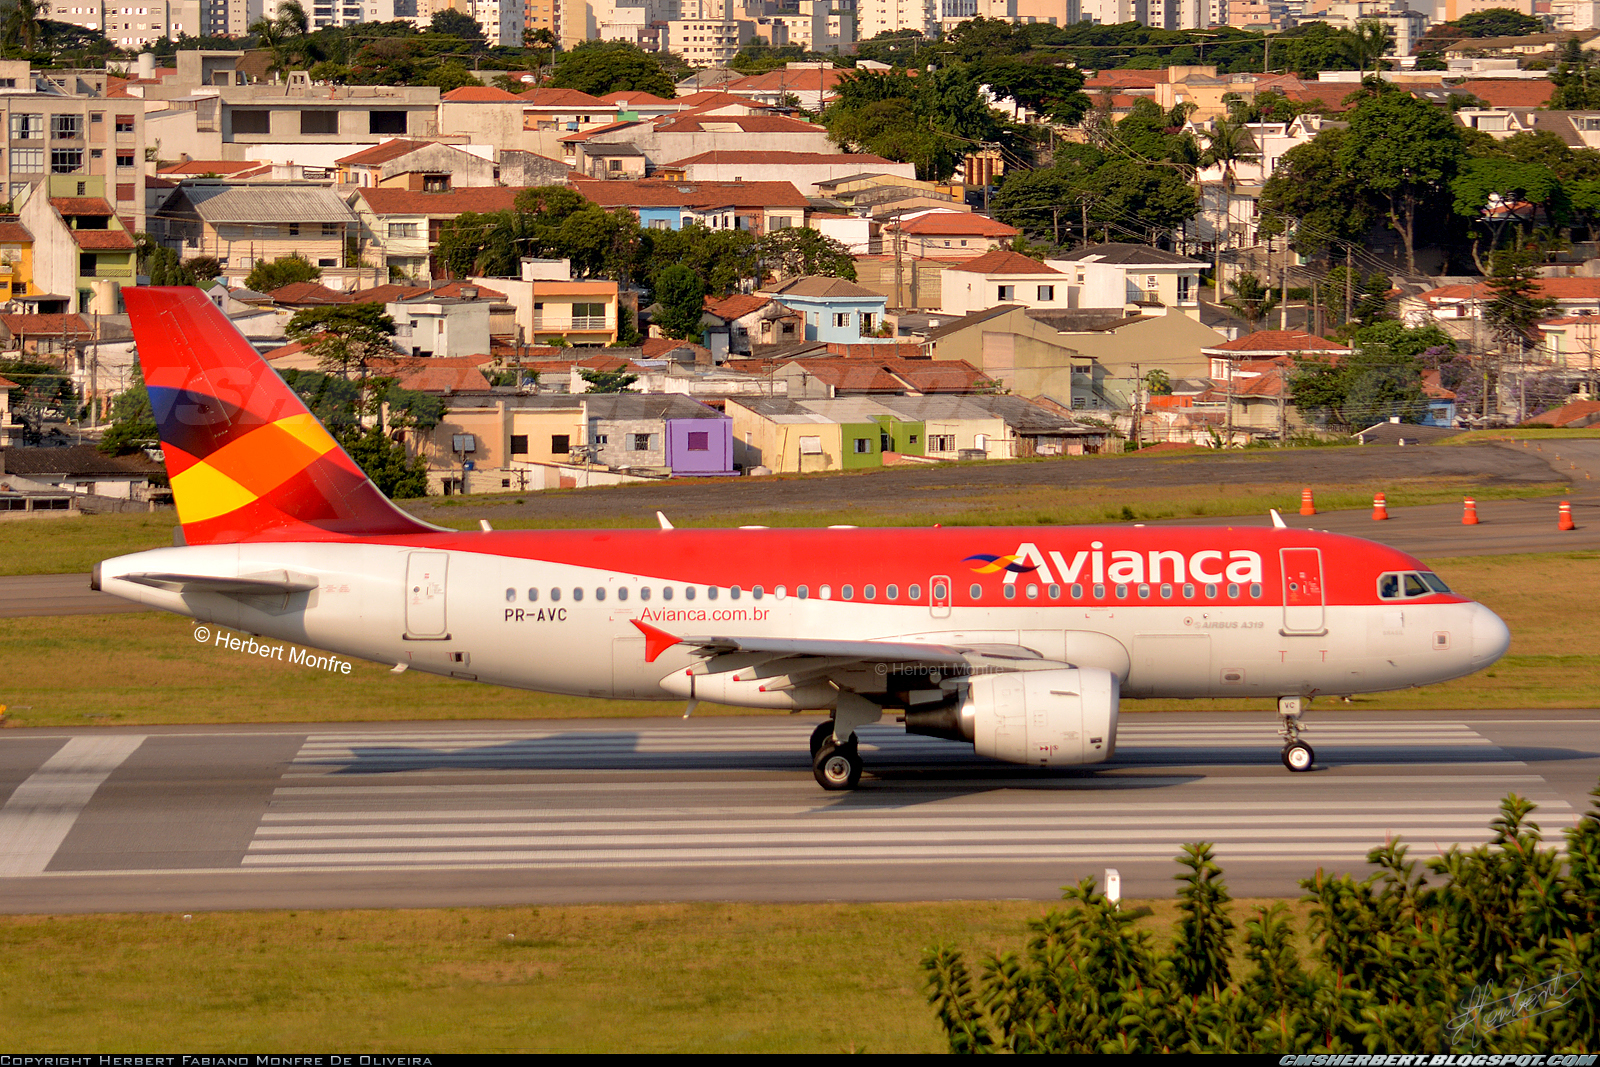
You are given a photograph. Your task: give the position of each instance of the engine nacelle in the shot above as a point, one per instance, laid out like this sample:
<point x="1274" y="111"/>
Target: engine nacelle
<point x="1044" y="718"/>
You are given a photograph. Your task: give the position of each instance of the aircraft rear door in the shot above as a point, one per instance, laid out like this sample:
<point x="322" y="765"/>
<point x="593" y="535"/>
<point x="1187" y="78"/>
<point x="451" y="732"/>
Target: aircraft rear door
<point x="1303" y="600"/>
<point x="425" y="595"/>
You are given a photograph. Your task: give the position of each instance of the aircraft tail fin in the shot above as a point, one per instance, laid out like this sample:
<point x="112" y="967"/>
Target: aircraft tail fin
<point x="247" y="460"/>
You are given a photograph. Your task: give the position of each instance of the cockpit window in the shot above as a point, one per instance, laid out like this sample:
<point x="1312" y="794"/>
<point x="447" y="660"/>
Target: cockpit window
<point x="1406" y="584"/>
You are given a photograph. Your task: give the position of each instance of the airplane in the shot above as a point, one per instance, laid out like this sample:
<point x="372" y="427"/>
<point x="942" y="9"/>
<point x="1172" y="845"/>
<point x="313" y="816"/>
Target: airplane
<point x="1019" y="641"/>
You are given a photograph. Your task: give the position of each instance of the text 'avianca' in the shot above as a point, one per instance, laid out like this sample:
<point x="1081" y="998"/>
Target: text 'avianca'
<point x="1124" y="565"/>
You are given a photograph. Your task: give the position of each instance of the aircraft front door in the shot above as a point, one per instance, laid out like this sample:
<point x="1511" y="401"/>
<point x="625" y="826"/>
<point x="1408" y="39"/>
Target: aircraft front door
<point x="939" y="596"/>
<point x="1303" y="600"/>
<point x="425" y="590"/>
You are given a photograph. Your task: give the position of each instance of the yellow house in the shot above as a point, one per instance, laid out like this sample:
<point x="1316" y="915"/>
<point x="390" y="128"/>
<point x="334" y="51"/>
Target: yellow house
<point x="16" y="260"/>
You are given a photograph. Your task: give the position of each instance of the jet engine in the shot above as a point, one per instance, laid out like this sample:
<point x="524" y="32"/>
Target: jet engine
<point x="1052" y="718"/>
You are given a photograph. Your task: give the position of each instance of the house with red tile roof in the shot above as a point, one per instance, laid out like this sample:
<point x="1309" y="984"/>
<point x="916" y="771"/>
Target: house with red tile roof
<point x="813" y="86"/>
<point x="42" y="334"/>
<point x="400" y="227"/>
<point x="756" y="206"/>
<point x="1268" y="345"/>
<point x="731" y="325"/>
<point x="947" y="234"/>
<point x="1459" y="305"/>
<point x="1001" y="277"/>
<point x="420" y="166"/>
<point x="83" y="251"/>
<point x="16" y="259"/>
<point x="803" y="169"/>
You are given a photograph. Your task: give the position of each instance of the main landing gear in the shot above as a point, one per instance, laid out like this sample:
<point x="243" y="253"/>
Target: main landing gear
<point x="835" y="763"/>
<point x="1297" y="755"/>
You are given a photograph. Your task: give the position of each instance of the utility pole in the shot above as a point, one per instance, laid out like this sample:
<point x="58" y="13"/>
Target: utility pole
<point x="1137" y="381"/>
<point x="1349" y="284"/>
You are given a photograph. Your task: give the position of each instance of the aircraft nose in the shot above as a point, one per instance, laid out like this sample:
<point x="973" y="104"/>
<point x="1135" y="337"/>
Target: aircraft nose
<point x="1490" y="637"/>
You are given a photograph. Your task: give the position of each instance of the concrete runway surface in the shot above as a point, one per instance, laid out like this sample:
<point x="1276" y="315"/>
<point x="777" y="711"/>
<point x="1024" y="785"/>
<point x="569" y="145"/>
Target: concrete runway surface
<point x="447" y="814"/>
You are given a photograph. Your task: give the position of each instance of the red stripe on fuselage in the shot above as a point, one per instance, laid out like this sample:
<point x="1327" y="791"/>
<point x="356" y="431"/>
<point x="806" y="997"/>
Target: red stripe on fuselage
<point x="883" y="556"/>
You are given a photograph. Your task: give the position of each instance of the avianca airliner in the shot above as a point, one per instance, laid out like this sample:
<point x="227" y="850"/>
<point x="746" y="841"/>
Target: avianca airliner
<point x="1018" y="641"/>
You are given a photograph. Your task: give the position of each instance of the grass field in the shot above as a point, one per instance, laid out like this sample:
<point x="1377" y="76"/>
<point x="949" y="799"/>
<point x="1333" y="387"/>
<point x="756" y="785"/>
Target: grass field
<point x="659" y="978"/>
<point x="1523" y="433"/>
<point x="70" y="546"/>
<point x="142" y="669"/>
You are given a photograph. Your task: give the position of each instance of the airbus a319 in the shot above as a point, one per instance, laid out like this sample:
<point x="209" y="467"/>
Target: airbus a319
<point x="1019" y="641"/>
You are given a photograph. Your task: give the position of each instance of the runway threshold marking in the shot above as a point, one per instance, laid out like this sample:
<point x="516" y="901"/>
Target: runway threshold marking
<point x="42" y="810"/>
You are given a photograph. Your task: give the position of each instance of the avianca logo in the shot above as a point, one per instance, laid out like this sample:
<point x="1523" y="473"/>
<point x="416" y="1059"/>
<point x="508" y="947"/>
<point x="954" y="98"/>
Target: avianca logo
<point x="990" y="564"/>
<point x="1125" y="566"/>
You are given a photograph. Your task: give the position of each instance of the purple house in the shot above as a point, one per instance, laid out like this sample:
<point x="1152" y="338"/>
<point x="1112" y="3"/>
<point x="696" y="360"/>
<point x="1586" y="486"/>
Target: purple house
<point x="656" y="430"/>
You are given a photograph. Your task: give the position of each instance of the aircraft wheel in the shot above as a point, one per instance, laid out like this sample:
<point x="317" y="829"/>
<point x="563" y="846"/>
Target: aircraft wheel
<point x="1298" y="756"/>
<point x="837" y="766"/>
<point x="820" y="736"/>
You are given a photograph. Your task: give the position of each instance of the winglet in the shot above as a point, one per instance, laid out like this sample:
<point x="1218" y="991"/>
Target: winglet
<point x="1277" y="520"/>
<point x="655" y="641"/>
<point x="666" y="524"/>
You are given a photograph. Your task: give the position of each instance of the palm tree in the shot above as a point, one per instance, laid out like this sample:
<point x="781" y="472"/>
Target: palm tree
<point x="292" y="19"/>
<point x="1227" y="145"/>
<point x="23" y="24"/>
<point x="1372" y="39"/>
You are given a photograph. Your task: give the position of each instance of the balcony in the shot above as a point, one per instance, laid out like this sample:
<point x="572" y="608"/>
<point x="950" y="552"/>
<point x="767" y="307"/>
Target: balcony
<point x="108" y="271"/>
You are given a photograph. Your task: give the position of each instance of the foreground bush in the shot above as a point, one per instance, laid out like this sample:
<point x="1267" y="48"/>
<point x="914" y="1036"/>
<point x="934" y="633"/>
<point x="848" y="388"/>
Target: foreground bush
<point x="1501" y="956"/>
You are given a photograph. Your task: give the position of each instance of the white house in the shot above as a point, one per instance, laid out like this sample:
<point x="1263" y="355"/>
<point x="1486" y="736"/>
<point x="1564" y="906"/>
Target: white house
<point x="1001" y="277"/>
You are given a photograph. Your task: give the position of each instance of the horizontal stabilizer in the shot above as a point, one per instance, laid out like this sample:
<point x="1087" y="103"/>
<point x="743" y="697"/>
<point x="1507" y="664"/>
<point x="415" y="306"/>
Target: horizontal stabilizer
<point x="257" y="585"/>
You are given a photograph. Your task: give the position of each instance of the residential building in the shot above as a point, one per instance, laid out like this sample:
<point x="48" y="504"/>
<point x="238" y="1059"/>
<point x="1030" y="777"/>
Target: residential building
<point x="804" y="170"/>
<point x="132" y="28"/>
<point x="948" y="234"/>
<point x="83" y="253"/>
<point x="707" y="42"/>
<point x="399" y="228"/>
<point x="882" y="183"/>
<point x="88" y="138"/>
<point x="886" y="16"/>
<point x="1001" y="277"/>
<point x="834" y="309"/>
<point x="420" y="166"/>
<point x="800" y="437"/>
<point x="16" y="260"/>
<point x="553" y="306"/>
<point x="609" y="162"/>
<point x="502" y="21"/>
<point x="435" y="325"/>
<point x="243" y="225"/>
<point x="43" y="335"/>
<point x="733" y="325"/>
<point x="755" y="206"/>
<point x="812" y="85"/>
<point x="83" y="471"/>
<point x="1459" y="308"/>
<point x="1131" y="277"/>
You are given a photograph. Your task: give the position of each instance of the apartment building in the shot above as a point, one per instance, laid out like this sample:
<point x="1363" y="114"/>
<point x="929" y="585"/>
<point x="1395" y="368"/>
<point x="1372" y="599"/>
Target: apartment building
<point x="83" y="253"/>
<point x="134" y="25"/>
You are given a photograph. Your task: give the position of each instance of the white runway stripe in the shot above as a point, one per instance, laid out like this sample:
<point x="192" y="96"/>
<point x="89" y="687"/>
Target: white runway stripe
<point x="42" y="810"/>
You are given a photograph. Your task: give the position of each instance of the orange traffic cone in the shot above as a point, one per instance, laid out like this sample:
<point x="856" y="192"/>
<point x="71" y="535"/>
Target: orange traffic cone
<point x="1307" y="507"/>
<point x="1469" y="514"/>
<point x="1380" y="508"/>
<point x="1566" y="522"/>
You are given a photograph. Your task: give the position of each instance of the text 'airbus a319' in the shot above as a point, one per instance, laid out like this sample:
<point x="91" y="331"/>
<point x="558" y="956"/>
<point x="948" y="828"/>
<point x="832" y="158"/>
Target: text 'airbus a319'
<point x="1019" y="641"/>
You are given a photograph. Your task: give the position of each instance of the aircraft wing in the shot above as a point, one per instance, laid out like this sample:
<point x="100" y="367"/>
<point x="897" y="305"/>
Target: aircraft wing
<point x="837" y="654"/>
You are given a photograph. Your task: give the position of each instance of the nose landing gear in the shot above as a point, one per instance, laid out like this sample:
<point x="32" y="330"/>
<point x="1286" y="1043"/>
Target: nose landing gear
<point x="1297" y="755"/>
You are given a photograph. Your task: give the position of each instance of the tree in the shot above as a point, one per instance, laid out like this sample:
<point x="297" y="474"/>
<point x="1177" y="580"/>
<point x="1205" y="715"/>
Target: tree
<point x="1251" y="298"/>
<point x="451" y="75"/>
<point x="601" y="67"/>
<point x="1518" y="303"/>
<point x="1495" y="192"/>
<point x="722" y="259"/>
<point x="265" y="277"/>
<point x="933" y="121"/>
<point x="1368" y="386"/>
<point x="1494" y="22"/>
<point x="1405" y="151"/>
<point x="133" y="423"/>
<point x="607" y="381"/>
<point x="344" y="337"/>
<point x="22" y="24"/>
<point x="802" y="250"/>
<point x="384" y="460"/>
<point x="452" y="23"/>
<point x="680" y="294"/>
<point x="1576" y="81"/>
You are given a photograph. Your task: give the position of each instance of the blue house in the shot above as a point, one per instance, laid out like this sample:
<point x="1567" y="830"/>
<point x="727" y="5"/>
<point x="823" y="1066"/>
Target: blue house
<point x="834" y="309"/>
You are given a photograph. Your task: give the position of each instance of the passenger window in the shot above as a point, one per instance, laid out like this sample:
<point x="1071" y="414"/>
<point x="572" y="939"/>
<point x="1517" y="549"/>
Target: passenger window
<point x="914" y="593"/>
<point x="803" y="591"/>
<point x="666" y="592"/>
<point x="869" y="592"/>
<point x="976" y="592"/>
<point x="825" y="592"/>
<point x="1122" y="592"/>
<point x="940" y="592"/>
<point x="1077" y="592"/>
<point x="644" y="592"/>
<point x="734" y="592"/>
<point x="1144" y="592"/>
<point x="1233" y="590"/>
<point x="757" y="592"/>
<point x="533" y="596"/>
<point x="1099" y="592"/>
<point x="1211" y="591"/>
<point x="891" y="592"/>
<point x="622" y="592"/>
<point x="1032" y="592"/>
<point x="688" y="592"/>
<point x="1010" y="591"/>
<point x="711" y="592"/>
<point x="1166" y="591"/>
<point x="600" y="593"/>
<point x="511" y="596"/>
<point x="780" y="592"/>
<point x="848" y="592"/>
<point x="1188" y="590"/>
<point x="1255" y="589"/>
<point x="577" y="593"/>
<point x="1055" y="592"/>
<point x="555" y="594"/>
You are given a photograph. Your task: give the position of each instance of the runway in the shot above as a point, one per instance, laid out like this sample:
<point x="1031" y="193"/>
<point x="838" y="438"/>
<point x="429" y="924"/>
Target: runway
<point x="412" y="815"/>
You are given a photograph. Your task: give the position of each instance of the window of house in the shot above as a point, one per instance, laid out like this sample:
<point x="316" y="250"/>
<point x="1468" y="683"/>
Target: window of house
<point x="124" y="123"/>
<point x="65" y="127"/>
<point x="124" y="159"/>
<point x="386" y="122"/>
<point x="588" y="316"/>
<point x="699" y="441"/>
<point x="941" y="442"/>
<point x="27" y="161"/>
<point x="252" y="121"/>
<point x="1007" y="292"/>
<point x="66" y="160"/>
<point x="330" y="229"/>
<point x="811" y="446"/>
<point x="294" y="229"/>
<point x="1183" y="286"/>
<point x="97" y="153"/>
<point x="639" y="442"/>
<point x="782" y="222"/>
<point x="519" y="444"/>
<point x="27" y="127"/>
<point x="841" y="319"/>
<point x="1047" y="292"/>
<point x="436" y="183"/>
<point x="863" y="445"/>
<point x="319" y="122"/>
<point x="402" y="229"/>
<point x="560" y="443"/>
